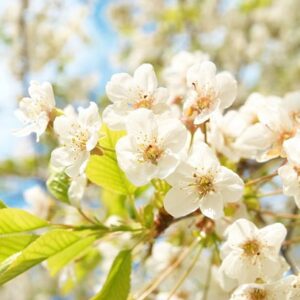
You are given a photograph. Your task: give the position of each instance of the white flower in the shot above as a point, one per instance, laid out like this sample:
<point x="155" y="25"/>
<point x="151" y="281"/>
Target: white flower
<point x="224" y="130"/>
<point x="39" y="201"/>
<point x="130" y="93"/>
<point x="291" y="102"/>
<point x="175" y="74"/>
<point x="264" y="139"/>
<point x="202" y="182"/>
<point x="210" y="91"/>
<point x="292" y="149"/>
<point x="151" y="147"/>
<point x="290" y="172"/>
<point x="251" y="253"/>
<point x="78" y="135"/>
<point x="76" y="189"/>
<point x="35" y="112"/>
<point x="278" y="290"/>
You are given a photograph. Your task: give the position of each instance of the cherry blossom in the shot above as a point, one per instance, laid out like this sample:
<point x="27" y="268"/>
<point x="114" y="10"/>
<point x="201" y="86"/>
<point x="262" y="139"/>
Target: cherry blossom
<point x="129" y="93"/>
<point x="36" y="112"/>
<point x="251" y="254"/>
<point x="78" y="135"/>
<point x="152" y="146"/>
<point x="201" y="182"/>
<point x="210" y="91"/>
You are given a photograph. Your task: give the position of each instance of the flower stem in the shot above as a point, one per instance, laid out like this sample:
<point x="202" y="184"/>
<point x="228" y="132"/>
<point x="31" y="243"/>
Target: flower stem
<point x="185" y="274"/>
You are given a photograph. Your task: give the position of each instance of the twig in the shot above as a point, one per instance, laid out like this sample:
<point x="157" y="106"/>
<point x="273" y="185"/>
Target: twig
<point x="87" y="218"/>
<point x="156" y="282"/>
<point x="183" y="277"/>
<point x="273" y="193"/>
<point x="261" y="179"/>
<point x="207" y="283"/>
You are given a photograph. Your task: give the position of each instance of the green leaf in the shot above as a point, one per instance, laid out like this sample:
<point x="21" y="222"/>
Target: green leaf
<point x="58" y="185"/>
<point x="104" y="170"/>
<point x="12" y="244"/>
<point x="117" y="284"/>
<point x="41" y="249"/>
<point x="82" y="269"/>
<point x="58" y="261"/>
<point x="13" y="220"/>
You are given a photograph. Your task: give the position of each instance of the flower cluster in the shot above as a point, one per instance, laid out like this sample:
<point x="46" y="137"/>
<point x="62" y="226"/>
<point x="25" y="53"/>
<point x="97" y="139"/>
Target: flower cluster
<point x="186" y="137"/>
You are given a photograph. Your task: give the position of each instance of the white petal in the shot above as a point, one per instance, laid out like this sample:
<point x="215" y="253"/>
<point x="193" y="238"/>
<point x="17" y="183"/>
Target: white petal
<point x="166" y="165"/>
<point x="173" y="134"/>
<point x="89" y="116"/>
<point x="240" y="231"/>
<point x="115" y="119"/>
<point x="212" y="206"/>
<point x="229" y="184"/>
<point x="179" y="203"/>
<point x="79" y="165"/>
<point x="201" y="73"/>
<point x="273" y="235"/>
<point x="227" y="88"/>
<point x="141" y="124"/>
<point x="76" y="190"/>
<point x="60" y="157"/>
<point x="145" y="78"/>
<point x="292" y="149"/>
<point x="117" y="89"/>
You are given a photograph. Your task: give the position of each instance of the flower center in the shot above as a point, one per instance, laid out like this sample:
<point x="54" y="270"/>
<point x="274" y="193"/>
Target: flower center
<point x="204" y="184"/>
<point x="277" y="149"/>
<point x="251" y="248"/>
<point x="79" y="140"/>
<point x="146" y="101"/>
<point x="152" y="153"/>
<point x="296" y="116"/>
<point x="204" y="100"/>
<point x="257" y="294"/>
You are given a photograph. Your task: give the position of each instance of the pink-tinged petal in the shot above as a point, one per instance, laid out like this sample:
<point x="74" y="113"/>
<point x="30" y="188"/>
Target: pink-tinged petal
<point x="118" y="88"/>
<point x="179" y="203"/>
<point x="227" y="89"/>
<point x="212" y="206"/>
<point x="145" y="78"/>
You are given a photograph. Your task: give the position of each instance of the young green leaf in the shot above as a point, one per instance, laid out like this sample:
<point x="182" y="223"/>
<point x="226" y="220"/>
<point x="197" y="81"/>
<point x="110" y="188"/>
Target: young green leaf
<point x="57" y="262"/>
<point x="41" y="249"/>
<point x="13" y="220"/>
<point x="58" y="185"/>
<point x="12" y="244"/>
<point x="117" y="284"/>
<point x="104" y="170"/>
